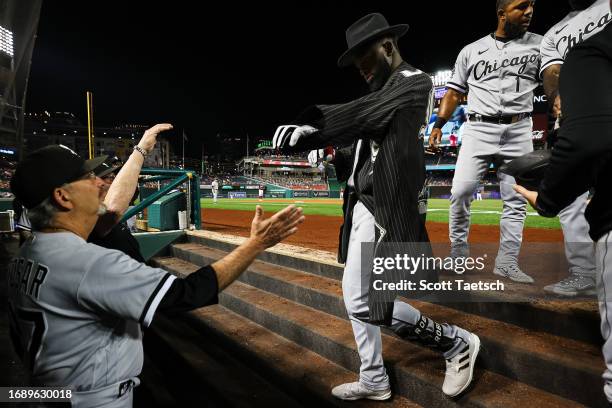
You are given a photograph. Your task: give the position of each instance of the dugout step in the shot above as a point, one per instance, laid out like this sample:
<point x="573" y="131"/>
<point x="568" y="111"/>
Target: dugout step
<point x="549" y="362"/>
<point x="199" y="372"/>
<point x="415" y="371"/>
<point x="578" y="320"/>
<point x="260" y="358"/>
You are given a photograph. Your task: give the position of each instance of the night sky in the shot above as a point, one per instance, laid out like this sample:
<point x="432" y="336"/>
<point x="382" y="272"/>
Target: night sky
<point x="235" y="67"/>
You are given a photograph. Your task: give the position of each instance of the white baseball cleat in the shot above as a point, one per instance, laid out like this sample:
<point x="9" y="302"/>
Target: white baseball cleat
<point x="356" y="390"/>
<point x="460" y="369"/>
<point x="512" y="272"/>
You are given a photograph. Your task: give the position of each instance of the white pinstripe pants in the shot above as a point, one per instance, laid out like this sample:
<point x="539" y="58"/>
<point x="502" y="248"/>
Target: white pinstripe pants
<point x="355" y="286"/>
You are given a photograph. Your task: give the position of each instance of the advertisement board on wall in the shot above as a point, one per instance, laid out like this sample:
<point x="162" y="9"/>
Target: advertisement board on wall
<point x="276" y="194"/>
<point x="301" y="193"/>
<point x="237" y="194"/>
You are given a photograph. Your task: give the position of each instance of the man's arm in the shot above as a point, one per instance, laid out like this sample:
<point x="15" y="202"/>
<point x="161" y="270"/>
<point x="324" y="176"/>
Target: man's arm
<point x="202" y="287"/>
<point x="122" y="189"/>
<point x="447" y="107"/>
<point x="365" y="117"/>
<point x="456" y="88"/>
<point x="551" y="87"/>
<point x="264" y="234"/>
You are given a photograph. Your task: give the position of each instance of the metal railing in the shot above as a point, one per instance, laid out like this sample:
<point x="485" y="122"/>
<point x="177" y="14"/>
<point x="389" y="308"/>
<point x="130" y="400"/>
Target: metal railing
<point x="178" y="177"/>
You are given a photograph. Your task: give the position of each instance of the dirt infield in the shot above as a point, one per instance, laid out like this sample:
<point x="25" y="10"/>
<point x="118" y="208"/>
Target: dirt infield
<point x="321" y="232"/>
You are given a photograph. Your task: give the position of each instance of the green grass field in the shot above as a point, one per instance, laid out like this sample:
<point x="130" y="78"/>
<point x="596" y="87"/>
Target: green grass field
<point x="486" y="212"/>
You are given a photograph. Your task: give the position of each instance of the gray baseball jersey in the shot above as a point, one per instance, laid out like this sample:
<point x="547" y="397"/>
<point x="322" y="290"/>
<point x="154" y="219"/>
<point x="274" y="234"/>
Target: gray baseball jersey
<point x="499" y="77"/>
<point x="76" y="310"/>
<point x="576" y="27"/>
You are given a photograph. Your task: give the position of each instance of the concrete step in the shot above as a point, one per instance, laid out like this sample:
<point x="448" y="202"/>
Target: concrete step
<point x="197" y="372"/>
<point x="577" y="320"/>
<point x="415" y="371"/>
<point x="264" y="370"/>
<point x="553" y="363"/>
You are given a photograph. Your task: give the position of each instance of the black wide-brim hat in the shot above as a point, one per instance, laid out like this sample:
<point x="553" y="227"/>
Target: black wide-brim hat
<point x="366" y="29"/>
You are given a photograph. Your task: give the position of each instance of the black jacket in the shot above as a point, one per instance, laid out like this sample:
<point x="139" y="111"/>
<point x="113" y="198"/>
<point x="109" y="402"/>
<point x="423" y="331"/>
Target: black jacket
<point x="582" y="157"/>
<point x="395" y="117"/>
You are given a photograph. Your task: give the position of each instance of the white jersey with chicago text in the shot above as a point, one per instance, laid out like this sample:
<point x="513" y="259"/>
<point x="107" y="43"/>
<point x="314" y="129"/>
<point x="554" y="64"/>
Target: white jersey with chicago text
<point x="76" y="310"/>
<point x="499" y="77"/>
<point x="576" y="27"/>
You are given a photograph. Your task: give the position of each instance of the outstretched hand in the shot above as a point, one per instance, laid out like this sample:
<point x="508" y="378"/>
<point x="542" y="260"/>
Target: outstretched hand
<point x="288" y="136"/>
<point x="269" y="232"/>
<point x="148" y="140"/>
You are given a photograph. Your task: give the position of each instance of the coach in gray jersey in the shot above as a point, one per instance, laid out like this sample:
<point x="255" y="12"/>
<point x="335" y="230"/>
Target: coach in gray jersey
<point x="499" y="73"/>
<point x="76" y="309"/>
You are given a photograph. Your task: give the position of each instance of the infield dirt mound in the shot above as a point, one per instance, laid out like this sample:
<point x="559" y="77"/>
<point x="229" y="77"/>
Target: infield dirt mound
<point x="321" y="232"/>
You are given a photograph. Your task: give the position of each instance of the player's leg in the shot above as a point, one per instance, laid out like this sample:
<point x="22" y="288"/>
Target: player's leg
<point x="579" y="250"/>
<point x="373" y="380"/>
<point x="471" y="165"/>
<point x="516" y="141"/>
<point x="604" y="295"/>
<point x="458" y="346"/>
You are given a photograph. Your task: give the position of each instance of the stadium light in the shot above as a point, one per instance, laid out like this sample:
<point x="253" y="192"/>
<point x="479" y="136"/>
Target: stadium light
<point x="6" y="41"/>
<point x="440" y="78"/>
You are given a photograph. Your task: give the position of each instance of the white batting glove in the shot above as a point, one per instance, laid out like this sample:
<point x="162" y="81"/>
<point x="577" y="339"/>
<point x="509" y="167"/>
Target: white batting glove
<point x="314" y="156"/>
<point x="290" y="135"/>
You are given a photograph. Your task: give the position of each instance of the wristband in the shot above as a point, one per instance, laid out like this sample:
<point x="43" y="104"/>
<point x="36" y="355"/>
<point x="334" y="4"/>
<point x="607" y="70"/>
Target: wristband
<point x="440" y="122"/>
<point x="140" y="150"/>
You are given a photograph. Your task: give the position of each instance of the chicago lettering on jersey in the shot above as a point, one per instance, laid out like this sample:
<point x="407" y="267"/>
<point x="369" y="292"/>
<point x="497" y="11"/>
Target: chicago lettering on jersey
<point x="484" y="68"/>
<point x="570" y="41"/>
<point x="27" y="276"/>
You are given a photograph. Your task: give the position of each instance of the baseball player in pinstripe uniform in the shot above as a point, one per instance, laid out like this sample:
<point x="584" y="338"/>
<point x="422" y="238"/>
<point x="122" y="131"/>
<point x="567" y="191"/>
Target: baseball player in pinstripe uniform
<point x="499" y="73"/>
<point x="386" y="174"/>
<point x="587" y="18"/>
<point x="76" y="309"/>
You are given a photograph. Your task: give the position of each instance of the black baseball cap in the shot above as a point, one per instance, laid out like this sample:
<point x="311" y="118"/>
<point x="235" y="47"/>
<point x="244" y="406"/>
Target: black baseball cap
<point x="46" y="169"/>
<point x="105" y="169"/>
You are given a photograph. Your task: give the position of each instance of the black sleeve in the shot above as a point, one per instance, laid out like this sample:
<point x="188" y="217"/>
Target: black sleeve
<point x="584" y="137"/>
<point x="196" y="290"/>
<point x="368" y="116"/>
